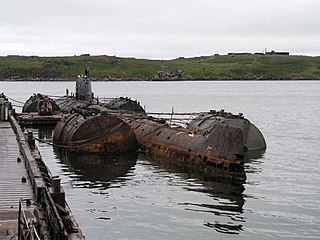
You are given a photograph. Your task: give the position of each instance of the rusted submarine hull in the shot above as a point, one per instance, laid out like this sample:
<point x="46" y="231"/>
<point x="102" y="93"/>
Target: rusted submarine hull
<point x="205" y="122"/>
<point x="41" y="104"/>
<point x="98" y="133"/>
<point x="219" y="154"/>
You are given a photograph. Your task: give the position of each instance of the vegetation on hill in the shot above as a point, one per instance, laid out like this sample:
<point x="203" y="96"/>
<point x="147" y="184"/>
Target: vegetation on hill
<point x="258" y="67"/>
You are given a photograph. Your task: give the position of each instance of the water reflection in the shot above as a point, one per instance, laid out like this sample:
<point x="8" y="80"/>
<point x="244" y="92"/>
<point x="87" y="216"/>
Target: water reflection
<point x="253" y="155"/>
<point x="96" y="171"/>
<point x="253" y="161"/>
<point x="226" y="199"/>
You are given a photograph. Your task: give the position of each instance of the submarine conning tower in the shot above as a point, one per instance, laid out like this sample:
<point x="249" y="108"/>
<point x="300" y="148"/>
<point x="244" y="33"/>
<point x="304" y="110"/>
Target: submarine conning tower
<point x="83" y="87"/>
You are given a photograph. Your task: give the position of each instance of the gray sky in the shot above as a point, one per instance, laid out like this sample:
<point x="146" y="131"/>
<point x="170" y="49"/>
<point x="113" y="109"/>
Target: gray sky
<point x="158" y="29"/>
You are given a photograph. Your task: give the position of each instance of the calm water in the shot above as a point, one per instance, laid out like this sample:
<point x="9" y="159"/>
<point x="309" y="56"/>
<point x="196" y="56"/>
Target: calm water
<point x="143" y="198"/>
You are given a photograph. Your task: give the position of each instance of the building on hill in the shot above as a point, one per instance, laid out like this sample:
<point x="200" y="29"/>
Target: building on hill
<point x="240" y="53"/>
<point x="272" y="52"/>
<point x="277" y="53"/>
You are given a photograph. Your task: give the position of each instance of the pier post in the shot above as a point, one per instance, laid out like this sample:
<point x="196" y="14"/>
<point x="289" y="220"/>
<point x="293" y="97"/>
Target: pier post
<point x="31" y="140"/>
<point x="4" y="108"/>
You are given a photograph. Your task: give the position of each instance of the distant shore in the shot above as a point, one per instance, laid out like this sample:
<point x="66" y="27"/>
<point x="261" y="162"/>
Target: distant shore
<point x="128" y="79"/>
<point x="205" y="68"/>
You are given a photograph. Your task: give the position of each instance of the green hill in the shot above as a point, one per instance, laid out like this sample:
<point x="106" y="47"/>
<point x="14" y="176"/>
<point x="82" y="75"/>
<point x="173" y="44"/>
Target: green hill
<point x="247" y="67"/>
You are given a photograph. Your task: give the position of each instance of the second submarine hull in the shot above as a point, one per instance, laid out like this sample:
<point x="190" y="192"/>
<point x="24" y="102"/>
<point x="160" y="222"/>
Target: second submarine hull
<point x="219" y="154"/>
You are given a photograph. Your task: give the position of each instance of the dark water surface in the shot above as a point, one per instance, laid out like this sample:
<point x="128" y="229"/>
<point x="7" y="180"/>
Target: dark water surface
<point x="144" y="198"/>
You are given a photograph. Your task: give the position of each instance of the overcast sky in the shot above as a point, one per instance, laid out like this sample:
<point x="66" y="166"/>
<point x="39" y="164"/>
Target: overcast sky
<point x="158" y="29"/>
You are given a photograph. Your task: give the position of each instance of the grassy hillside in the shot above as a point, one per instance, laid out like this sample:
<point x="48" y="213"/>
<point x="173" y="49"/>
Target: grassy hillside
<point x="209" y="67"/>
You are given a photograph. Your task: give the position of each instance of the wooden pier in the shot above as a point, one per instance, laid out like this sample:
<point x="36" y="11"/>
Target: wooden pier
<point x="32" y="202"/>
<point x="14" y="183"/>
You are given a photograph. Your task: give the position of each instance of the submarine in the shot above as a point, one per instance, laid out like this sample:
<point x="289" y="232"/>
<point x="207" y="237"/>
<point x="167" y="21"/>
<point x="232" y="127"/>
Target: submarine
<point x="214" y="142"/>
<point x="41" y="104"/>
